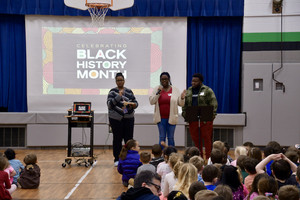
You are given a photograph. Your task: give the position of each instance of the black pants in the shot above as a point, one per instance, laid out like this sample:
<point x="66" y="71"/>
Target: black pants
<point x="122" y="130"/>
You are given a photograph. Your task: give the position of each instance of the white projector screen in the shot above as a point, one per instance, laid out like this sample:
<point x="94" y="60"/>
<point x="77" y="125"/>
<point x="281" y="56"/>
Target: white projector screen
<point x="68" y="60"/>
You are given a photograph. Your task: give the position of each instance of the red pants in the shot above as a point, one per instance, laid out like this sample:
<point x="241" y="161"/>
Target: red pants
<point x="206" y="136"/>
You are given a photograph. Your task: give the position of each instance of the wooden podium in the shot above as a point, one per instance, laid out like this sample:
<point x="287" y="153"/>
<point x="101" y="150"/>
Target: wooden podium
<point x="80" y="121"/>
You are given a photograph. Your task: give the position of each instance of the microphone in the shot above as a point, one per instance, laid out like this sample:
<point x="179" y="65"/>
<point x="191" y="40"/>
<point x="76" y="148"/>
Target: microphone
<point x="158" y="91"/>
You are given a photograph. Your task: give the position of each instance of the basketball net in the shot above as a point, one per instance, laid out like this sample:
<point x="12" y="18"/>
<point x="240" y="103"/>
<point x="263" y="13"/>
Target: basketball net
<point x="98" y="13"/>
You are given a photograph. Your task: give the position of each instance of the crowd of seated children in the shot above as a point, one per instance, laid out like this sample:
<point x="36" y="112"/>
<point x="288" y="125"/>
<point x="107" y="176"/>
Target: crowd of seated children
<point x="248" y="181"/>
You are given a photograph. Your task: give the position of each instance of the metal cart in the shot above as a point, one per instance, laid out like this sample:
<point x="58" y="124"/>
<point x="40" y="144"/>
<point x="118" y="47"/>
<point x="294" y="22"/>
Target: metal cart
<point x="80" y="121"/>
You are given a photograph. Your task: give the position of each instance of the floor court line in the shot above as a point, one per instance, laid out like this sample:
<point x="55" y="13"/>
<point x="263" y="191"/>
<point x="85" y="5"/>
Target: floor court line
<point x="80" y="181"/>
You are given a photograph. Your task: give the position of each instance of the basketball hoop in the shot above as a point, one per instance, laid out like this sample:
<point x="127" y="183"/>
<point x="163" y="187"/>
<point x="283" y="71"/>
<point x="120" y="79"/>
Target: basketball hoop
<point x="98" y="12"/>
<point x="98" y="8"/>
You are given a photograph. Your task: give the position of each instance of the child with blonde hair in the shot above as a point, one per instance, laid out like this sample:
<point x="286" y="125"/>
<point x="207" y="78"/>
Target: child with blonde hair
<point x="186" y="176"/>
<point x="4" y="179"/>
<point x="239" y="150"/>
<point x="170" y="178"/>
<point x="30" y="178"/>
<point x="129" y="161"/>
<point x="219" y="145"/>
<point x="198" y="162"/>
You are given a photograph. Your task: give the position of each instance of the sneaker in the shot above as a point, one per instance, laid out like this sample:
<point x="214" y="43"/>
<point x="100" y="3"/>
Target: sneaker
<point x="116" y="163"/>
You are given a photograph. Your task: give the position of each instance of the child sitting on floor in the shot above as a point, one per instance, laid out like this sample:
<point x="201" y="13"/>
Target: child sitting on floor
<point x="129" y="161"/>
<point x="30" y="178"/>
<point x="157" y="152"/>
<point x="145" y="158"/>
<point x="4" y="179"/>
<point x="16" y="164"/>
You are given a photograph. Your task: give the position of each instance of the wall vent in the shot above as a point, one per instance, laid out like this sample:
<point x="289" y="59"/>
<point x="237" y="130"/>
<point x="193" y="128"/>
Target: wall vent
<point x="12" y="136"/>
<point x="223" y="134"/>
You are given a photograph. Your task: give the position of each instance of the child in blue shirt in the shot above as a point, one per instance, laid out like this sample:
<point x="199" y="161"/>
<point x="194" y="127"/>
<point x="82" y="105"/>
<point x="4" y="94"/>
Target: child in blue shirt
<point x="16" y="164"/>
<point x="210" y="176"/>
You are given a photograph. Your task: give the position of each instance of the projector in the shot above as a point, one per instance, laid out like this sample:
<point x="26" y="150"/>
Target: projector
<point x="80" y="151"/>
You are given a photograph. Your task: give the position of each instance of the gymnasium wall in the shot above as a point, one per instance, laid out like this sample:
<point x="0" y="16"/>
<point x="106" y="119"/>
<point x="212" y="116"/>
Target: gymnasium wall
<point x="271" y="49"/>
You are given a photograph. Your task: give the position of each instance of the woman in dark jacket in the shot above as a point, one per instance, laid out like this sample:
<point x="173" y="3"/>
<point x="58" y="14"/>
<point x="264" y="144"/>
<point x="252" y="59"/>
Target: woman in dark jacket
<point x="121" y="103"/>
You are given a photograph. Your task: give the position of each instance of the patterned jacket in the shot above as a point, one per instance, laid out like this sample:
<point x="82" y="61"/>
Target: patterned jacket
<point x="206" y="97"/>
<point x="115" y="104"/>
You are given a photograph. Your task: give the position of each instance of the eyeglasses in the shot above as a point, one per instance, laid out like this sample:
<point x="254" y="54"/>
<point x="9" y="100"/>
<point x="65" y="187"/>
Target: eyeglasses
<point x="158" y="188"/>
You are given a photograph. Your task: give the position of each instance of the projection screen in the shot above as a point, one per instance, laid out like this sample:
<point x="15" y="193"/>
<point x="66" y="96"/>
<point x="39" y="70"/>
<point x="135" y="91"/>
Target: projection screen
<point x="69" y="60"/>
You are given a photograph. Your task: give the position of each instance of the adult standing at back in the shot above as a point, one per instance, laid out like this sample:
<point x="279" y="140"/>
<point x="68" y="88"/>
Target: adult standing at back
<point x="121" y="103"/>
<point x="200" y="95"/>
<point x="166" y="99"/>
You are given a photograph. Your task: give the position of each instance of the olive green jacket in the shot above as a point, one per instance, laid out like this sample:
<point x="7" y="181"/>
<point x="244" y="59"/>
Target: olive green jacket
<point x="206" y="97"/>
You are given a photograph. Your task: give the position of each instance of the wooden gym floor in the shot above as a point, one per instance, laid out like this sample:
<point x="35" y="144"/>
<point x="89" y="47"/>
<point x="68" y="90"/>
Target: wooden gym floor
<point x="102" y="181"/>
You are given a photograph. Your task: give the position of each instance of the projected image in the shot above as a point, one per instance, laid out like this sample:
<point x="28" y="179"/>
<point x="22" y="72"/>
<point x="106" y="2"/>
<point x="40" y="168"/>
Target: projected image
<point x="70" y="61"/>
<point x="84" y="61"/>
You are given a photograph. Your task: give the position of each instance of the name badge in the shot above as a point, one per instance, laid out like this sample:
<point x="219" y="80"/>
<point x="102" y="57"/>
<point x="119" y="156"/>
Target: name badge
<point x="201" y="93"/>
<point x="169" y="94"/>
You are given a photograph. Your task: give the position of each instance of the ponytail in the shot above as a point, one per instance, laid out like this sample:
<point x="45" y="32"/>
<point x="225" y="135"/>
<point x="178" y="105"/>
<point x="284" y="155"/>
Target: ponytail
<point x="129" y="144"/>
<point x="176" y="168"/>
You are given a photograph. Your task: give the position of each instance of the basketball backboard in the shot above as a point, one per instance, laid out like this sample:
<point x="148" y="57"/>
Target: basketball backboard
<point x="115" y="4"/>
